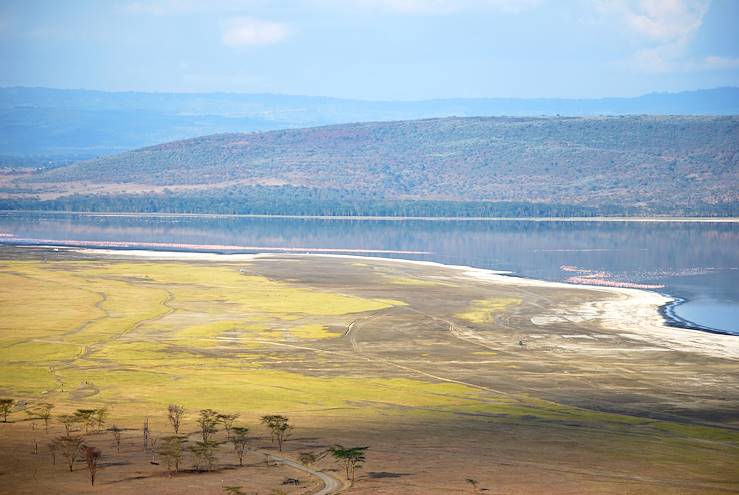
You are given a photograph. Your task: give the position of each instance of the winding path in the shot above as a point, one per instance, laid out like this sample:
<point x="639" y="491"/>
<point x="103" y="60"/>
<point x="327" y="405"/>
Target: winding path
<point x="330" y="484"/>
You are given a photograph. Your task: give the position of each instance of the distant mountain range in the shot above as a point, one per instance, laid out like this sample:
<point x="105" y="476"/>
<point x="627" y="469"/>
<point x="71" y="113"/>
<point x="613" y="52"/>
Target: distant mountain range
<point x="50" y="127"/>
<point x="629" y="164"/>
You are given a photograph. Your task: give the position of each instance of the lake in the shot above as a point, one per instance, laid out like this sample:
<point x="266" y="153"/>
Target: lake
<point x="698" y="263"/>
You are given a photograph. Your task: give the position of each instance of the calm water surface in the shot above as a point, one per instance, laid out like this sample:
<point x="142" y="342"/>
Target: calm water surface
<point x="696" y="262"/>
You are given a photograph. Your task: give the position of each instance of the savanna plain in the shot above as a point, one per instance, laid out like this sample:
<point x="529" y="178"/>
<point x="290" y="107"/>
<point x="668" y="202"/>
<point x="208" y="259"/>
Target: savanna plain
<point x="457" y="380"/>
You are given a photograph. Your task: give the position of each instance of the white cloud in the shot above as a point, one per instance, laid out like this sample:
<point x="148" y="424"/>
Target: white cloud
<point x="236" y="7"/>
<point x="661" y="20"/>
<point x="245" y="31"/>
<point x="667" y="19"/>
<point x="433" y="7"/>
<point x="451" y="6"/>
<point x="663" y="30"/>
<point x="184" y="7"/>
<point x="663" y="59"/>
<point x="714" y="62"/>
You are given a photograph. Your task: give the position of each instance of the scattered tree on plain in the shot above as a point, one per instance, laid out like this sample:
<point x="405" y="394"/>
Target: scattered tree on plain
<point x="92" y="455"/>
<point x="68" y="420"/>
<point x="100" y="416"/>
<point x="173" y="449"/>
<point x="203" y="454"/>
<point x="352" y="457"/>
<point x="43" y="410"/>
<point x="207" y="421"/>
<point x="6" y="406"/>
<point x="174" y="414"/>
<point x="86" y="417"/>
<point x="227" y="420"/>
<point x="116" y="436"/>
<point x="69" y="446"/>
<point x="240" y="440"/>
<point x="279" y="427"/>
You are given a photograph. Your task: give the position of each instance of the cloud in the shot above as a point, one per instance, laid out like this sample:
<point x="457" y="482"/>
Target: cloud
<point x="433" y="7"/>
<point x="663" y="59"/>
<point x="714" y="62"/>
<point x="451" y="6"/>
<point x="185" y="7"/>
<point x="663" y="30"/>
<point x="667" y="19"/>
<point x="236" y="7"/>
<point x="660" y="20"/>
<point x="246" y="31"/>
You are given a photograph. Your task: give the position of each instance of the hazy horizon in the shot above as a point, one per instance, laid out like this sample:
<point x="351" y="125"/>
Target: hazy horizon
<point x="387" y="50"/>
<point x="369" y="100"/>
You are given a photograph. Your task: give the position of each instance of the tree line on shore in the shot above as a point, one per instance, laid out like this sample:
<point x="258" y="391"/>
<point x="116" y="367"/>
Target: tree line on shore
<point x="287" y="200"/>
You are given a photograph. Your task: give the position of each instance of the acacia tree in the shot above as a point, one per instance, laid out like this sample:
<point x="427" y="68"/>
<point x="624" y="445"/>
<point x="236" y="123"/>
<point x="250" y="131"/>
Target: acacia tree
<point x="99" y="416"/>
<point x="86" y="417"/>
<point x="240" y="440"/>
<point x="352" y="457"/>
<point x="92" y="455"/>
<point x="174" y="414"/>
<point x="69" y="446"/>
<point x="43" y="411"/>
<point x="6" y="405"/>
<point x="173" y="449"/>
<point x="279" y="427"/>
<point x="227" y="420"/>
<point x="116" y="436"/>
<point x="68" y="420"/>
<point x="207" y="422"/>
<point x="203" y="454"/>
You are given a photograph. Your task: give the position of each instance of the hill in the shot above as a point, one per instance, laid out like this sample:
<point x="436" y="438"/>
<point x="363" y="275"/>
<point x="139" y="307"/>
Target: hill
<point x="646" y="164"/>
<point x="43" y="127"/>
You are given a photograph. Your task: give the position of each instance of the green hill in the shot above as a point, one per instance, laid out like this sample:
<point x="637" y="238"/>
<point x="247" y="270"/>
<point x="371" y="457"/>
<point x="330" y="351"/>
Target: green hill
<point x="641" y="163"/>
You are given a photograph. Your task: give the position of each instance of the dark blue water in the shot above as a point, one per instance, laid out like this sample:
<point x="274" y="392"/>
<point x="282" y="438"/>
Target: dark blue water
<point x="696" y="262"/>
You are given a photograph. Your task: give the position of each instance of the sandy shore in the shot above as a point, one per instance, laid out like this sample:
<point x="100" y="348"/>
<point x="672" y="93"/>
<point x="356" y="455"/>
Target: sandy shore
<point x="631" y="313"/>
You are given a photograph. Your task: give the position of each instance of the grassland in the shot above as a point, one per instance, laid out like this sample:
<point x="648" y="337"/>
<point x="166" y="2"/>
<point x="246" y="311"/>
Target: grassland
<point x="425" y="366"/>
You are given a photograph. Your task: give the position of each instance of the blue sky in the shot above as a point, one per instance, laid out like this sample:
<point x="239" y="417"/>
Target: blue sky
<point x="373" y="49"/>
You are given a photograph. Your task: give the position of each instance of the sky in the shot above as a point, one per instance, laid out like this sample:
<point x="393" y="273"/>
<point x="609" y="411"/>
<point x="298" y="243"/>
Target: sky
<point x="373" y="49"/>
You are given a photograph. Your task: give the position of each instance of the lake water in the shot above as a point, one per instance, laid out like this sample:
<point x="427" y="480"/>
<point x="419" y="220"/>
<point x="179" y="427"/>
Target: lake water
<point x="695" y="262"/>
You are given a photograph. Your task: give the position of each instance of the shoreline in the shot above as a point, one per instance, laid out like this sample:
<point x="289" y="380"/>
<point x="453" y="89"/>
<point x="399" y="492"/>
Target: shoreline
<point x="632" y="313"/>
<point x="192" y="253"/>
<point x="654" y="218"/>
<point x="185" y="247"/>
<point x="672" y="319"/>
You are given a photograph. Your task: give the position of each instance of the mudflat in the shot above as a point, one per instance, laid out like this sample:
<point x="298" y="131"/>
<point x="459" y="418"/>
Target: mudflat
<point x="448" y="374"/>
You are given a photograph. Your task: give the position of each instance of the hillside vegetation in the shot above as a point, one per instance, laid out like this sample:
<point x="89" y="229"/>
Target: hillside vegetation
<point x="641" y="163"/>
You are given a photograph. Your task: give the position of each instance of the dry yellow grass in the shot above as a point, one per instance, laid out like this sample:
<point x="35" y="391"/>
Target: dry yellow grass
<point x="137" y="333"/>
<point x="484" y="310"/>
